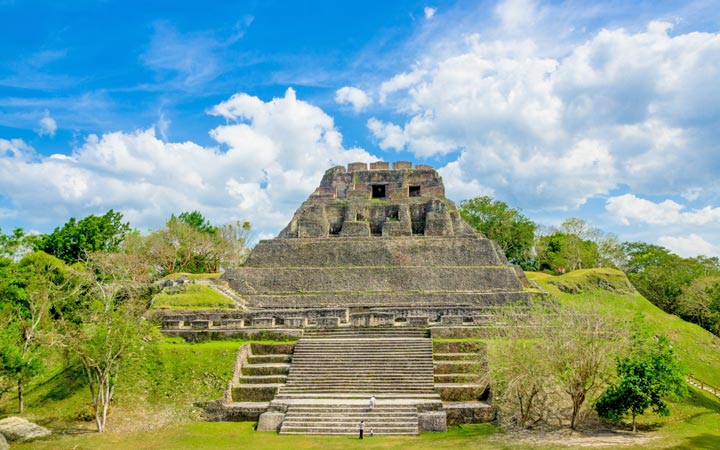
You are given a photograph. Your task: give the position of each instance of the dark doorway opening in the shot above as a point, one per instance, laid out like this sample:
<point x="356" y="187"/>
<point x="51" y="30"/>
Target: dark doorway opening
<point x="414" y="191"/>
<point x="378" y="191"/>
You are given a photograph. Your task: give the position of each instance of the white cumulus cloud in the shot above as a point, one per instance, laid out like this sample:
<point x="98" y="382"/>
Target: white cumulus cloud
<point x="349" y="95"/>
<point x="429" y="12"/>
<point x="689" y="246"/>
<point x="629" y="209"/>
<point x="269" y="156"/>
<point x="48" y="126"/>
<point x="552" y="129"/>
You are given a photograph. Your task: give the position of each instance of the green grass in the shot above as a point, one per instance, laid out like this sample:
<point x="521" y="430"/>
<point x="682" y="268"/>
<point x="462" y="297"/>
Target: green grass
<point x="241" y="435"/>
<point x="698" y="349"/>
<point x="174" y="375"/>
<point x="194" y="296"/>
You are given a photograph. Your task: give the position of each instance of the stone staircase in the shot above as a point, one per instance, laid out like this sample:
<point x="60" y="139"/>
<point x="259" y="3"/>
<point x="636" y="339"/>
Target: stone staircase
<point x="334" y="373"/>
<point x="344" y="418"/>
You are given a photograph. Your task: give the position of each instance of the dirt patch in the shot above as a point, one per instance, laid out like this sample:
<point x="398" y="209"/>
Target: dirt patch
<point x="576" y="439"/>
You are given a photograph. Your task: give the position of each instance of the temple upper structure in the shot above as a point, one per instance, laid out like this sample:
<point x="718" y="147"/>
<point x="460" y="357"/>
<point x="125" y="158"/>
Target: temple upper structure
<point x="378" y="200"/>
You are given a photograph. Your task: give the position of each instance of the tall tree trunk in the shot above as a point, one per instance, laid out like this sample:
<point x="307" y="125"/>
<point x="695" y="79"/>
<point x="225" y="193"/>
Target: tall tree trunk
<point x="21" y="402"/>
<point x="634" y="425"/>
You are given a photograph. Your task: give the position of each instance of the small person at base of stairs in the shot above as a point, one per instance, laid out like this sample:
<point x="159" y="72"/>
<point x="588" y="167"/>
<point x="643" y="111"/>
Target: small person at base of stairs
<point x="362" y="428"/>
<point x="372" y="433"/>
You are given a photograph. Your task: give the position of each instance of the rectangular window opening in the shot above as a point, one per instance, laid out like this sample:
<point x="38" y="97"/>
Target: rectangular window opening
<point x="378" y="191"/>
<point x="414" y="191"/>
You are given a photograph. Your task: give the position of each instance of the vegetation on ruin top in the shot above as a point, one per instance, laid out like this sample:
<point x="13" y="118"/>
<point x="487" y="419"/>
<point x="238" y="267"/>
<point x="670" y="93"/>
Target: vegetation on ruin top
<point x="193" y="296"/>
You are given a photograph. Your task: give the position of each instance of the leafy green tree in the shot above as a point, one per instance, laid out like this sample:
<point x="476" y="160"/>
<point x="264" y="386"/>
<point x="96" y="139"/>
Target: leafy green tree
<point x="699" y="303"/>
<point x="514" y="232"/>
<point x="660" y="276"/>
<point x="197" y="221"/>
<point x="562" y="250"/>
<point x="28" y="290"/>
<point x="646" y="377"/>
<point x="76" y="239"/>
<point x="180" y="247"/>
<point x="107" y="331"/>
<point x="17" y="244"/>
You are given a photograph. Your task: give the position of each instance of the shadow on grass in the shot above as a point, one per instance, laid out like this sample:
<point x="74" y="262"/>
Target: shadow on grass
<point x="62" y="385"/>
<point x="705" y="441"/>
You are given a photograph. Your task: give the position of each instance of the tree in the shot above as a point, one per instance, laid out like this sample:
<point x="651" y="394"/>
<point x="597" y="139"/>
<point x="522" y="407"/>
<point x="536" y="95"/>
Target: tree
<point x="699" y="303"/>
<point x="579" y="346"/>
<point x="549" y="352"/>
<point x="660" y="276"/>
<point x="180" y="247"/>
<point x="76" y="239"/>
<point x="197" y="221"/>
<point x="651" y="373"/>
<point x="514" y="232"/>
<point x="17" y="244"/>
<point x="562" y="250"/>
<point x="108" y="329"/>
<point x="28" y="290"/>
<point x="518" y="371"/>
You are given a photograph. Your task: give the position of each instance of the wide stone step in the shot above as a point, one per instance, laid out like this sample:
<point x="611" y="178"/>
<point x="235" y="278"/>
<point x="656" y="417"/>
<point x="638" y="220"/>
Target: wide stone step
<point x="346" y="432"/>
<point x="261" y="379"/>
<point x="456" y="357"/>
<point x="359" y="396"/>
<point x="297" y="418"/>
<point x="379" y="410"/>
<point x="456" y="377"/>
<point x="268" y="359"/>
<point x="366" y="387"/>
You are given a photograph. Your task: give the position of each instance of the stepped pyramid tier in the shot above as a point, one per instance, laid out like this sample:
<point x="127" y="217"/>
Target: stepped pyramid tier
<point x="375" y="245"/>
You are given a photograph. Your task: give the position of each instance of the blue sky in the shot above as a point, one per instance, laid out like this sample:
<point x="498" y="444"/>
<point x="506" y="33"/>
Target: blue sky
<point x="608" y="111"/>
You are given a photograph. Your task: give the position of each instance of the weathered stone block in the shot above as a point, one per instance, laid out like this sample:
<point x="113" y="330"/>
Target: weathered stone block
<point x="417" y="321"/>
<point x="264" y="322"/>
<point x="217" y="411"/>
<point x="358" y="194"/>
<point x="356" y="166"/>
<point x="19" y="429"/>
<point x="270" y="421"/>
<point x="295" y="322"/>
<point x="469" y="412"/>
<point x="312" y="229"/>
<point x="380" y="165"/>
<point x="233" y="324"/>
<point x="396" y="228"/>
<point x="461" y="393"/>
<point x="456" y="366"/>
<point x="371" y="319"/>
<point x="271" y="349"/>
<point x="254" y="393"/>
<point x="200" y="324"/>
<point x="355" y="229"/>
<point x="327" y="322"/>
<point x="432" y="421"/>
<point x="451" y="320"/>
<point x="264" y="369"/>
<point x="402" y="165"/>
<point x="172" y="324"/>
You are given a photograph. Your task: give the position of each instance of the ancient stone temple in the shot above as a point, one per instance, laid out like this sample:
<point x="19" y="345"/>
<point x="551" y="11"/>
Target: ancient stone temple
<point x="376" y="246"/>
<point x="372" y="266"/>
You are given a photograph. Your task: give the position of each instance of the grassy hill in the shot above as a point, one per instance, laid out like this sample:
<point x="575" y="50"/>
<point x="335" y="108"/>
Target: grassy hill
<point x="154" y="407"/>
<point x="611" y="292"/>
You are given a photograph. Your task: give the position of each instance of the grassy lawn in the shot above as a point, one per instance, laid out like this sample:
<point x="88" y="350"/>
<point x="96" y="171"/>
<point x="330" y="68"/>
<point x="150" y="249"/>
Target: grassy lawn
<point x="194" y="296"/>
<point x="241" y="435"/>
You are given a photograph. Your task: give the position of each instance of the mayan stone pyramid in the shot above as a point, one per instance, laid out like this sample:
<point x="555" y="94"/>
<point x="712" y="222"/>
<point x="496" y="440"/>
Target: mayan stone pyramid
<point x="376" y="246"/>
